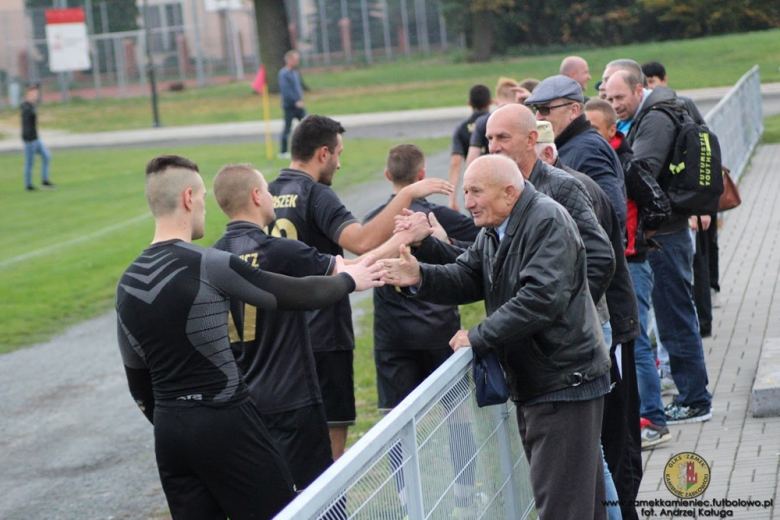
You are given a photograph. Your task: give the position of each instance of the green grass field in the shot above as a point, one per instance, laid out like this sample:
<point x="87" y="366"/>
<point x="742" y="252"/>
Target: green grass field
<point x="414" y="83"/>
<point x="62" y="251"/>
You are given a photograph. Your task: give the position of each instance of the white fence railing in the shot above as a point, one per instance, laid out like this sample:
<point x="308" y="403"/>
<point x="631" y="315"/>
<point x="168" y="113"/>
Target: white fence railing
<point x="436" y="455"/>
<point x="738" y="122"/>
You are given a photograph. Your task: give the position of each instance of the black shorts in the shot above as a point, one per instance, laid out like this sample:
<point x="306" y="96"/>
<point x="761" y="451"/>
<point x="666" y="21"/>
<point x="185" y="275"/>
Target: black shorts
<point x="334" y="371"/>
<point x="216" y="463"/>
<point x="399" y="372"/>
<point x="303" y="439"/>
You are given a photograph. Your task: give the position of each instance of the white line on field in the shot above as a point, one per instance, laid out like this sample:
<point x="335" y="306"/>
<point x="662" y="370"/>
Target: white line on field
<point x="54" y="247"/>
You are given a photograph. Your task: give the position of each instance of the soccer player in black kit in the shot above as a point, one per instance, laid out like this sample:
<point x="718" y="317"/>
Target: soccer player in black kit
<point x="307" y="209"/>
<point x="479" y="101"/>
<point x="214" y="455"/>
<point x="272" y="348"/>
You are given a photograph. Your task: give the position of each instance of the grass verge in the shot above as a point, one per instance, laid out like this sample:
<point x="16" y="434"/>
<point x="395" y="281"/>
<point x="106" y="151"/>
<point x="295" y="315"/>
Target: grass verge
<point x="412" y="83"/>
<point x="771" y="130"/>
<point x="62" y="251"/>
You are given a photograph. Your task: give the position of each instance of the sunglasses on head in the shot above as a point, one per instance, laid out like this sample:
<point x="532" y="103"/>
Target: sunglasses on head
<point x="545" y="111"/>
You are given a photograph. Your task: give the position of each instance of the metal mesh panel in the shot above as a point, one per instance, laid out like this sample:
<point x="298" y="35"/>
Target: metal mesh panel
<point x="437" y="455"/>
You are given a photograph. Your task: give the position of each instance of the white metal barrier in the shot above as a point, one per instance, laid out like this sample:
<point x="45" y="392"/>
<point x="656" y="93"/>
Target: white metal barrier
<point x="434" y="456"/>
<point x="738" y="122"/>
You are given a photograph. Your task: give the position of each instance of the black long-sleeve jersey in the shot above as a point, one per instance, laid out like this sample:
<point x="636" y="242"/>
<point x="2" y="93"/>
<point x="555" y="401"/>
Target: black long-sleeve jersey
<point x="272" y="348"/>
<point x="172" y="319"/>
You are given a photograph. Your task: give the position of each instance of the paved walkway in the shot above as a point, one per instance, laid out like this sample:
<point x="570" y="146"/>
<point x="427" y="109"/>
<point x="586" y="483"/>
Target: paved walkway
<point x="743" y="452"/>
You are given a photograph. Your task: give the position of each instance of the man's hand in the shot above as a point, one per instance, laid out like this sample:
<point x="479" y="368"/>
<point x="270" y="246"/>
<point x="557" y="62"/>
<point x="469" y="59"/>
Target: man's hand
<point x="413" y="227"/>
<point x="460" y="340"/>
<point x="521" y="94"/>
<point x="436" y="229"/>
<point x="705" y="222"/>
<point x="425" y="187"/>
<point x="299" y="104"/>
<point x="366" y="273"/>
<point x="402" y="272"/>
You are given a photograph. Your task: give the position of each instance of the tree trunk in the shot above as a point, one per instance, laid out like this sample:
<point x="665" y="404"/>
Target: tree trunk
<point x="482" y="35"/>
<point x="274" y="38"/>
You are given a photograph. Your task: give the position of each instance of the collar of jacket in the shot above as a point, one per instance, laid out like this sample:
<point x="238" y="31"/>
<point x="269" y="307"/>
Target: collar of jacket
<point x="575" y="128"/>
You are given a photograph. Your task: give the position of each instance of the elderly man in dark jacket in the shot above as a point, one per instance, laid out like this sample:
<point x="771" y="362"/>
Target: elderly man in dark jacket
<point x="529" y="266"/>
<point x="559" y="100"/>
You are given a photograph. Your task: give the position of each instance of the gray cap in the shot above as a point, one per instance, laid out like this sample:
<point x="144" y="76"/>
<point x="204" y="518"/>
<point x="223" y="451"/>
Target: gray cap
<point x="556" y="87"/>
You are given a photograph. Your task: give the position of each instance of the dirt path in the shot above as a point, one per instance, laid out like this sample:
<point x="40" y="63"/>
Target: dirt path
<point x="73" y="445"/>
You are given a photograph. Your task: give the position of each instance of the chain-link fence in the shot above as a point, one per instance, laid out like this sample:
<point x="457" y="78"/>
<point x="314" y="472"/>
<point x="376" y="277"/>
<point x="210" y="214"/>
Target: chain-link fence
<point x="190" y="45"/>
<point x="436" y="455"/>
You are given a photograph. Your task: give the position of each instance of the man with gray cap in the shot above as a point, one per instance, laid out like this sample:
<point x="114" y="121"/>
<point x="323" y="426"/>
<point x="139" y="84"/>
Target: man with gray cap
<point x="559" y="100"/>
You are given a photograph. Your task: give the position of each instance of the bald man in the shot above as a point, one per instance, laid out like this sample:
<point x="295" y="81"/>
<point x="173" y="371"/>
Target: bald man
<point x="214" y="454"/>
<point x="576" y="68"/>
<point x="538" y="308"/>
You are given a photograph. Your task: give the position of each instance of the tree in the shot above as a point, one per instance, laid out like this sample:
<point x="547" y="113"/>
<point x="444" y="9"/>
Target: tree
<point x="273" y="33"/>
<point x="480" y="17"/>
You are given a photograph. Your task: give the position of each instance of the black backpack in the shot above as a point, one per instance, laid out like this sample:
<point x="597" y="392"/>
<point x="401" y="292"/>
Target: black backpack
<point x="692" y="176"/>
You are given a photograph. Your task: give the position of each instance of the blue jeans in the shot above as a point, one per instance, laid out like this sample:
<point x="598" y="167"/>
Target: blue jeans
<point x="30" y="149"/>
<point x="289" y="115"/>
<point x="610" y="493"/>
<point x="675" y="314"/>
<point x="647" y="381"/>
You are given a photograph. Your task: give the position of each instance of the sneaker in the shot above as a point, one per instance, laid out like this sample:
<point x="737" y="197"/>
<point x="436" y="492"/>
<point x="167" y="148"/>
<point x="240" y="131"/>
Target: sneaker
<point x="652" y="435"/>
<point x="679" y="414"/>
<point x="30" y="188"/>
<point x="668" y="387"/>
<point x="285" y="155"/>
<point x="715" y="299"/>
<point x="48" y="185"/>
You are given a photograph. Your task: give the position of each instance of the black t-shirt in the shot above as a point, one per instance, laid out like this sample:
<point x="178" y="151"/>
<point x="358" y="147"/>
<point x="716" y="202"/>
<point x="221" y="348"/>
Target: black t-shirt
<point x="312" y="213"/>
<point x="272" y="348"/>
<point x="478" y="137"/>
<point x="402" y="323"/>
<point x="172" y="319"/>
<point x="462" y="135"/>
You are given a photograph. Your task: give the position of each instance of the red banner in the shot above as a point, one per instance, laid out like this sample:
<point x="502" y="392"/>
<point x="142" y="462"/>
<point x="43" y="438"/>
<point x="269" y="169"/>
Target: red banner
<point x="72" y="15"/>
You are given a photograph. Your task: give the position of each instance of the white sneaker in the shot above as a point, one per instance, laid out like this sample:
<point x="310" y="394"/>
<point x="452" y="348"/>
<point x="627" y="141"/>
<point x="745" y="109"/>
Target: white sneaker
<point x="285" y="155"/>
<point x="715" y="299"/>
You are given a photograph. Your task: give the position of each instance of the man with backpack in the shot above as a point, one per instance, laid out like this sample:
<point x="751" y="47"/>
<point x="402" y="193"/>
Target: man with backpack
<point x="652" y="131"/>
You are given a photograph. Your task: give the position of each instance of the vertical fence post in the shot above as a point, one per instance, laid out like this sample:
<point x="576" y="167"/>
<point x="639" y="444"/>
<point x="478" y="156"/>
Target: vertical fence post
<point x="9" y="67"/>
<point x="345" y="26"/>
<point x="324" y="32"/>
<point x="411" y="472"/>
<point x="198" y="45"/>
<point x="505" y="456"/>
<point x="108" y="47"/>
<point x="237" y="54"/>
<point x="366" y="32"/>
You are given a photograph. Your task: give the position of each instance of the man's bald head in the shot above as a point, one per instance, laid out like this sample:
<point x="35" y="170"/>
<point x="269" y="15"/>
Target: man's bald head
<point x="577" y="69"/>
<point x="492" y="185"/>
<point x="233" y="187"/>
<point x="167" y="177"/>
<point x="511" y="131"/>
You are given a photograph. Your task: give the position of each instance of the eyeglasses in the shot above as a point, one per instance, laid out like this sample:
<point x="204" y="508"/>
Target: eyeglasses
<point x="545" y="111"/>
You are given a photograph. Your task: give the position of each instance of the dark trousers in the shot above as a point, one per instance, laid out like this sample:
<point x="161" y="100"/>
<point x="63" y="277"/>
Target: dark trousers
<point x="219" y="463"/>
<point x="620" y="431"/>
<point x="705" y="274"/>
<point x="562" y="442"/>
<point x="289" y="115"/>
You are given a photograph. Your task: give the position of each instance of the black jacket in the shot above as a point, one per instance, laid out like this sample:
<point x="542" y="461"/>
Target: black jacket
<point x="621" y="298"/>
<point x="541" y="320"/>
<point x="29" y="126"/>
<point x="571" y="194"/>
<point x="651" y="137"/>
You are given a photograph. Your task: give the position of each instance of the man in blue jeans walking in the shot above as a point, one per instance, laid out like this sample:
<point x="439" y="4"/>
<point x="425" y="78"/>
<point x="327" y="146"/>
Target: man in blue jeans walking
<point x="651" y="135"/>
<point x="32" y="144"/>
<point x="291" y="90"/>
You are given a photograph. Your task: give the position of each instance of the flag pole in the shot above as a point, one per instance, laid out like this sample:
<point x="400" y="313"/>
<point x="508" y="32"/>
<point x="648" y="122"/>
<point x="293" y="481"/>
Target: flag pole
<point x="267" y="116"/>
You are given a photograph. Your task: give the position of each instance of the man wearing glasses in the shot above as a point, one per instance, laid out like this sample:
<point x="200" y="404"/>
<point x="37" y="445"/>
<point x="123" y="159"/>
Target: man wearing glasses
<point x="559" y="100"/>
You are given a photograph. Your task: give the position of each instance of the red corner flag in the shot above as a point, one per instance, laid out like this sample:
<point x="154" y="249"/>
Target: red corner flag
<point x="259" y="81"/>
